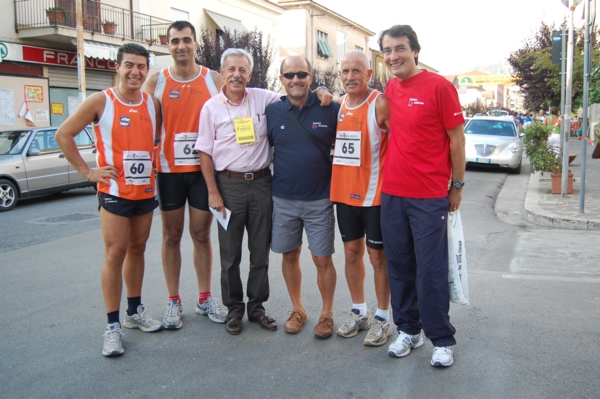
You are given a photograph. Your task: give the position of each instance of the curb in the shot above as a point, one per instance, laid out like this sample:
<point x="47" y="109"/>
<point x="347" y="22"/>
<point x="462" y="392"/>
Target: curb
<point x="536" y="214"/>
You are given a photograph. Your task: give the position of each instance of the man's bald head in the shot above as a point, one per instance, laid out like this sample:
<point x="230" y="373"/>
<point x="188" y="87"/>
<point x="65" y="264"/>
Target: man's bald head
<point x="358" y="56"/>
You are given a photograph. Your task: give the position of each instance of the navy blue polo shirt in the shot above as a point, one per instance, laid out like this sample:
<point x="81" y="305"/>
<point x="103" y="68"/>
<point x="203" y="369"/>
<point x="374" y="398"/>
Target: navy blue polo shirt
<point x="300" y="171"/>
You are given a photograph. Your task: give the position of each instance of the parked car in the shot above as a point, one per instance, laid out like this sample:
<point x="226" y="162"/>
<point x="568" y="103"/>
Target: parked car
<point x="495" y="142"/>
<point x="32" y="164"/>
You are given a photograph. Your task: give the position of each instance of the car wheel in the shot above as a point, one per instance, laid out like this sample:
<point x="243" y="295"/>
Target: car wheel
<point x="8" y="195"/>
<point x="517" y="170"/>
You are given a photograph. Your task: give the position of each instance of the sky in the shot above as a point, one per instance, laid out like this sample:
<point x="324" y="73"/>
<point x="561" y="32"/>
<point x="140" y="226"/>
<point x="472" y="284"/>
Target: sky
<point x="458" y="35"/>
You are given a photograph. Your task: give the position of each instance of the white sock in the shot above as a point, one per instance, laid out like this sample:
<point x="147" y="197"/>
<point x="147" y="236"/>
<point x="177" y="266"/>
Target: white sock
<point x="361" y="307"/>
<point x="384" y="314"/>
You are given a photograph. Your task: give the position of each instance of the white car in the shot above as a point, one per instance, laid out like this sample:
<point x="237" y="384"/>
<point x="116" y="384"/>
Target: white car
<point x="32" y="163"/>
<point x="494" y="142"/>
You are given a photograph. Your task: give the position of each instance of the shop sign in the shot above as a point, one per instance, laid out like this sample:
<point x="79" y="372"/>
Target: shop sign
<point x="64" y="58"/>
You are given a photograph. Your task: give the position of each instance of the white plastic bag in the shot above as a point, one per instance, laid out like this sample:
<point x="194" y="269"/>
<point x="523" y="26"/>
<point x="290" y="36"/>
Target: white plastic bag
<point x="458" y="280"/>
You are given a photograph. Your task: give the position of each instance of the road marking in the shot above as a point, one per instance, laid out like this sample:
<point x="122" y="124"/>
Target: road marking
<point x="566" y="279"/>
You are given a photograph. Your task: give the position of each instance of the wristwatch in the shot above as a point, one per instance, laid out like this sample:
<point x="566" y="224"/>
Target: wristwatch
<point x="457" y="184"/>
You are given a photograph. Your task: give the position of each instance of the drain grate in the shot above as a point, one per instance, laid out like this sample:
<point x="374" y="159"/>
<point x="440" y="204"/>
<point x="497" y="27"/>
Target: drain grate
<point x="66" y="219"/>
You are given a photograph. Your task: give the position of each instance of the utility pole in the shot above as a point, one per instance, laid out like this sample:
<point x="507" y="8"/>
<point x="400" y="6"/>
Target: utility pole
<point x="587" y="58"/>
<point x="80" y="51"/>
<point x="568" y="94"/>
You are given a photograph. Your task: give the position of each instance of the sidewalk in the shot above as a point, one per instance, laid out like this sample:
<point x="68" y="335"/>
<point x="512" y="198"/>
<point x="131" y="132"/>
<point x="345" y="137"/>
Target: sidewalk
<point x="547" y="209"/>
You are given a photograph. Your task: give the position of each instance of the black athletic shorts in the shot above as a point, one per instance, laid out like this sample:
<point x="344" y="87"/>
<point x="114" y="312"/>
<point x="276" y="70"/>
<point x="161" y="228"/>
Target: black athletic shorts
<point x="125" y="207"/>
<point x="355" y="221"/>
<point x="174" y="189"/>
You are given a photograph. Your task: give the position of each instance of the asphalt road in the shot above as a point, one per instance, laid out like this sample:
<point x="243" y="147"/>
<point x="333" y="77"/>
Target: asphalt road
<point x="531" y="330"/>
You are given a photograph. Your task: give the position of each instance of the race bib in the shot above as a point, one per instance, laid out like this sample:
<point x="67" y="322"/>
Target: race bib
<point x="184" y="151"/>
<point x="347" y="149"/>
<point x="137" y="167"/>
<point x="244" y="131"/>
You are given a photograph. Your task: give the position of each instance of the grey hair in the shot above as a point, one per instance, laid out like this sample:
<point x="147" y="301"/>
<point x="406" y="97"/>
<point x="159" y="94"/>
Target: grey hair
<point x="238" y="52"/>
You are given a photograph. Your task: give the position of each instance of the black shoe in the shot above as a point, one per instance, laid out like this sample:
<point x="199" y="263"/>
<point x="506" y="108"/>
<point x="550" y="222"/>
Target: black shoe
<point x="234" y="325"/>
<point x="265" y="322"/>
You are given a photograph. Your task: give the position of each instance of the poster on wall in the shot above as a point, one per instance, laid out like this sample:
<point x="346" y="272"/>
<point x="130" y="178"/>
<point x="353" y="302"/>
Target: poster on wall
<point x="41" y="115"/>
<point x="73" y="104"/>
<point x="7" y="107"/>
<point x="34" y="94"/>
<point x="57" y="108"/>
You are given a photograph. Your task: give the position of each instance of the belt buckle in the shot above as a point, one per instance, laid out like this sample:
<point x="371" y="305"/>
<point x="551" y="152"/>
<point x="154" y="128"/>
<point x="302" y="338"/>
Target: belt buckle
<point x="251" y="174"/>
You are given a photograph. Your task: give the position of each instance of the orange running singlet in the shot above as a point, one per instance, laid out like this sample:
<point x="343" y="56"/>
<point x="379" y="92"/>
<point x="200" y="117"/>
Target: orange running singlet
<point x="359" y="155"/>
<point x="125" y="140"/>
<point x="181" y="103"/>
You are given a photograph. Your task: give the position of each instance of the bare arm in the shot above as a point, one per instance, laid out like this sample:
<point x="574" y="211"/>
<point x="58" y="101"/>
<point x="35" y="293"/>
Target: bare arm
<point x="215" y="200"/>
<point x="150" y="85"/>
<point x="89" y="111"/>
<point x="458" y="159"/>
<point x="324" y="96"/>
<point x="382" y="112"/>
<point x="216" y="77"/>
<point x="158" y="115"/>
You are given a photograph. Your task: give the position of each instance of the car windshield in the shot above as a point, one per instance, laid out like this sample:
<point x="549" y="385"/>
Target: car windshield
<point x="12" y="142"/>
<point x="491" y="128"/>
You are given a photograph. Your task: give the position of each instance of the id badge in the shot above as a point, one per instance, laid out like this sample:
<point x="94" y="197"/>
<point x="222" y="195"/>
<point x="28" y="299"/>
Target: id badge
<point x="183" y="148"/>
<point x="347" y="149"/>
<point x="244" y="131"/>
<point x="137" y="166"/>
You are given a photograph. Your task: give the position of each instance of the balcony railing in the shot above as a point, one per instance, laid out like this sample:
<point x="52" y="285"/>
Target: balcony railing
<point x="97" y="18"/>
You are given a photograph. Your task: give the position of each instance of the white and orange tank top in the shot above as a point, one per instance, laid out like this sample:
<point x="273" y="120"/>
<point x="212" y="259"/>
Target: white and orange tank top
<point x="125" y="140"/>
<point x="181" y="102"/>
<point x="359" y="155"/>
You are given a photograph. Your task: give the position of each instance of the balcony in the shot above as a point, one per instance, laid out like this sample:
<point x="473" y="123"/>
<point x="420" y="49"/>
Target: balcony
<point x="54" y="21"/>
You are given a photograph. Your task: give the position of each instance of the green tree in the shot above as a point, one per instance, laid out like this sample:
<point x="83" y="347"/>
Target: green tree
<point x="211" y="47"/>
<point x="534" y="72"/>
<point x="539" y="79"/>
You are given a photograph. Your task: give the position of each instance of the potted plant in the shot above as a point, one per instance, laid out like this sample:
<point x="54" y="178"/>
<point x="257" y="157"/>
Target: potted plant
<point x="88" y="24"/>
<point x="544" y="157"/>
<point x="109" y="27"/>
<point x="163" y="39"/>
<point x="57" y="15"/>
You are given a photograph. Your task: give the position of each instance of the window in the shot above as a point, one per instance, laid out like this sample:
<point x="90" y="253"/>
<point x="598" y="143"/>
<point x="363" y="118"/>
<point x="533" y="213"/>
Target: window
<point x="220" y="39"/>
<point x="83" y="140"/>
<point x="44" y="142"/>
<point x="358" y="48"/>
<point x="179" y="15"/>
<point x="323" y="49"/>
<point x="341" y="45"/>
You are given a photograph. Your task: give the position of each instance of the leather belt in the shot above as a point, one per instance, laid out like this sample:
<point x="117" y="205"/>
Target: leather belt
<point x="246" y="175"/>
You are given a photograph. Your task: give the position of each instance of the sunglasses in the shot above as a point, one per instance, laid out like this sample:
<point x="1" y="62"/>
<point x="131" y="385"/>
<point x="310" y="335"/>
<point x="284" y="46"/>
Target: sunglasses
<point x="290" y="75"/>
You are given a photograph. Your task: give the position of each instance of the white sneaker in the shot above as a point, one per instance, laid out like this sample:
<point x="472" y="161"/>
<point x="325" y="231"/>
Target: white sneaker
<point x="378" y="333"/>
<point x="172" y="319"/>
<point x="213" y="310"/>
<point x="113" y="344"/>
<point x="142" y="321"/>
<point x="354" y="324"/>
<point x="443" y="356"/>
<point x="404" y="343"/>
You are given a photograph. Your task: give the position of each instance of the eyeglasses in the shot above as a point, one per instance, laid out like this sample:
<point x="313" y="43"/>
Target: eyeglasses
<point x="290" y="75"/>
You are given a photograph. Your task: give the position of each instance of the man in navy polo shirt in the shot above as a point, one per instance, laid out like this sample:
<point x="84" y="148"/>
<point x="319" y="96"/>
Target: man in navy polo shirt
<point x="302" y="132"/>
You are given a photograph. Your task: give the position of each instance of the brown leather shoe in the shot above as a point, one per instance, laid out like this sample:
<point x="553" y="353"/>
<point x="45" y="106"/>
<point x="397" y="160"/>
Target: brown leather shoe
<point x="295" y="322"/>
<point x="234" y="325"/>
<point x="265" y="322"/>
<point x="324" y="327"/>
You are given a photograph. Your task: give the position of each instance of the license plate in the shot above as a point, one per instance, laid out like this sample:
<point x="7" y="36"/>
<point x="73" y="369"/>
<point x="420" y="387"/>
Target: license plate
<point x="483" y="160"/>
